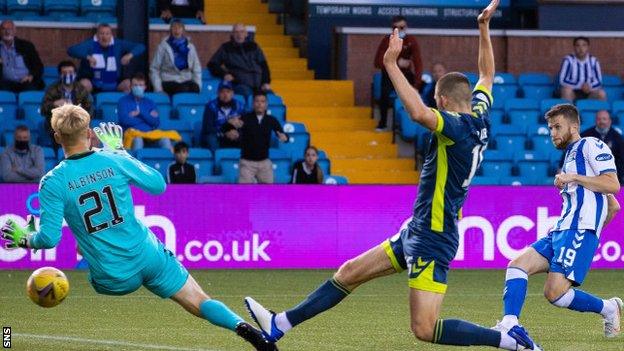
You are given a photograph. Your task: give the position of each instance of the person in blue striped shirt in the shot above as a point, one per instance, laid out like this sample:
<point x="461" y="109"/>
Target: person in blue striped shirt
<point x="580" y="76"/>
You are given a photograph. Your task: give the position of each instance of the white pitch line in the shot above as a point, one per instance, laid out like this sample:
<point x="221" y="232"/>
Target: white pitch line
<point x="108" y="342"/>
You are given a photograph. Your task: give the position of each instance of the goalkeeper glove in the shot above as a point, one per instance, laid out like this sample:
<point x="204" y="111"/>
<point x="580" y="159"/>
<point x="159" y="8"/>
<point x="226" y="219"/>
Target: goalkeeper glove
<point x="16" y="235"/>
<point x="111" y="136"/>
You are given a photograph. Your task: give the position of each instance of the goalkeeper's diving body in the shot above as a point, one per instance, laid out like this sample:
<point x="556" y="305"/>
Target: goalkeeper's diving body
<point x="91" y="191"/>
<point x="426" y="247"/>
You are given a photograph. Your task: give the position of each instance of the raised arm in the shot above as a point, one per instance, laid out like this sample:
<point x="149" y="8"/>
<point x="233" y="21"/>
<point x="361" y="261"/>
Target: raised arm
<point x="486" y="53"/>
<point x="418" y="111"/>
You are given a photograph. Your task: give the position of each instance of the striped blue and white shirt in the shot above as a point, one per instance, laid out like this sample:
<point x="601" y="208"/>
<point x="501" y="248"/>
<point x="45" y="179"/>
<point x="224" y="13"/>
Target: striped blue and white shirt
<point x="583" y="208"/>
<point x="574" y="72"/>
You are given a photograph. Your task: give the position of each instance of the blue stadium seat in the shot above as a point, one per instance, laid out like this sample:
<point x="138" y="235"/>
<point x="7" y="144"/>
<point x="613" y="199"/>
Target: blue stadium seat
<point x="516" y="181"/>
<point x="592" y="105"/>
<point x="525" y="118"/>
<point x="229" y="169"/>
<point x="206" y="75"/>
<point x="7" y="98"/>
<point x="296" y="145"/>
<point x="294" y="127"/>
<point x="96" y="9"/>
<point x="61" y="8"/>
<point x="504" y="78"/>
<point x="182" y="126"/>
<point x="210" y="88"/>
<point x="202" y="160"/>
<point x="496" y="168"/>
<point x="546" y="104"/>
<point x="277" y="111"/>
<point x="503" y="93"/>
<point x="324" y="162"/>
<point x="611" y="80"/>
<point x="508" y="129"/>
<point x="335" y="180"/>
<point x="497" y="155"/>
<point x="189" y="106"/>
<point x="521" y="104"/>
<point x="163" y="104"/>
<point x="242" y="100"/>
<point x="376" y="86"/>
<point x="618" y="107"/>
<point x="225" y="153"/>
<point x="7" y="113"/>
<point x="538" y="129"/>
<point x="555" y="157"/>
<point x="281" y="169"/>
<point x="30" y="103"/>
<point x="534" y="79"/>
<point x="538" y="154"/>
<point x="156" y="158"/>
<point x="538" y="92"/>
<point x="21" y="8"/>
<point x="50" y="158"/>
<point x="481" y="180"/>
<point x="614" y="93"/>
<point x="473" y="77"/>
<point x="533" y="168"/>
<point x="510" y="143"/>
<point x="410" y="130"/>
<point x="106" y="105"/>
<point x="3" y="6"/>
<point x="497" y="117"/>
<point x="542" y="142"/>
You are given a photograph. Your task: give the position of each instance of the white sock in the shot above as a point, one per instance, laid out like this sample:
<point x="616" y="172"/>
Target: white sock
<point x="509" y="321"/>
<point x="507" y="342"/>
<point x="282" y="322"/>
<point x="608" y="307"/>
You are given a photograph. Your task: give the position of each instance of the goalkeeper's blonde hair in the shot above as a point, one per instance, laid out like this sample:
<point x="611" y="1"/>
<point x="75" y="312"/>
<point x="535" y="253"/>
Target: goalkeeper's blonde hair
<point x="70" y="121"/>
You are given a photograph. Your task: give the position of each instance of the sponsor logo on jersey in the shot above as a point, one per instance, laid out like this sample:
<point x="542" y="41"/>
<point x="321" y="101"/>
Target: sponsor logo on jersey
<point x="604" y="157"/>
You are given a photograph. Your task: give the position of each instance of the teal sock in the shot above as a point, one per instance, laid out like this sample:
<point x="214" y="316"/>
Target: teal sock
<point x="217" y="313"/>
<point x="462" y="333"/>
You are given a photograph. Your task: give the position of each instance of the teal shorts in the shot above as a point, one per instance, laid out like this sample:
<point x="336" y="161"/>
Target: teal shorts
<point x="163" y="275"/>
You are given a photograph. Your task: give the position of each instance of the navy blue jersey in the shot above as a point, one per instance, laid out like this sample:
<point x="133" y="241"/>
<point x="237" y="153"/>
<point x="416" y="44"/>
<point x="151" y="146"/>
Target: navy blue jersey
<point x="455" y="153"/>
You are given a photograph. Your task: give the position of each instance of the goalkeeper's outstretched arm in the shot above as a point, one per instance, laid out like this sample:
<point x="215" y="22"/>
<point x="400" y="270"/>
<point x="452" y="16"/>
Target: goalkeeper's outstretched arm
<point x="486" y="53"/>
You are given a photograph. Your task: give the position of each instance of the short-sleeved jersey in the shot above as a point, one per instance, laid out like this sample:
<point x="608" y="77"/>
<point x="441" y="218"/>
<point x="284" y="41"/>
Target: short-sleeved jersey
<point x="583" y="208"/>
<point x="91" y="191"/>
<point x="455" y="153"/>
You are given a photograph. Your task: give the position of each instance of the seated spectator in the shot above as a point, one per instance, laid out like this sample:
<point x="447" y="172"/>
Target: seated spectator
<point x="138" y="117"/>
<point x="176" y="67"/>
<point x="22" y="162"/>
<point x="182" y="9"/>
<point x="102" y="58"/>
<point x="437" y="71"/>
<point x="241" y="62"/>
<point x="308" y="170"/>
<point x="255" y="139"/>
<point x="21" y="66"/>
<point x="66" y="91"/>
<point x="409" y="62"/>
<point x="181" y="172"/>
<point x="218" y="112"/>
<point x="604" y="131"/>
<point x="580" y="76"/>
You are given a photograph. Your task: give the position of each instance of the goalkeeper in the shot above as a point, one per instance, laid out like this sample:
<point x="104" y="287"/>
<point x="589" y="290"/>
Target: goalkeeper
<point x="91" y="190"/>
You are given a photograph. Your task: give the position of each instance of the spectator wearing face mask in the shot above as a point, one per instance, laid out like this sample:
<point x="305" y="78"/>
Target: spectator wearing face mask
<point x="22" y="162"/>
<point x="21" y="68"/>
<point x="66" y="91"/>
<point x="139" y="118"/>
<point x="604" y="131"/>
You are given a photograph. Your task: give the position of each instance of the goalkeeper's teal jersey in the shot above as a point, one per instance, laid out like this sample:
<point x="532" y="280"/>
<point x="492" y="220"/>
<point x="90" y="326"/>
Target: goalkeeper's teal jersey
<point x="92" y="192"/>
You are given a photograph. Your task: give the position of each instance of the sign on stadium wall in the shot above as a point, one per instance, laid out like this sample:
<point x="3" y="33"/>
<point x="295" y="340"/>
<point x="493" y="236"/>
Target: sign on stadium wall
<point x="232" y="226"/>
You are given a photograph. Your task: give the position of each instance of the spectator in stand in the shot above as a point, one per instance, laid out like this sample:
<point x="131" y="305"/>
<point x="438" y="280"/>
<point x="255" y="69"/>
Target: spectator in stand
<point x="241" y="62"/>
<point x="604" y="131"/>
<point x="409" y="62"/>
<point x="308" y="170"/>
<point x="175" y="67"/>
<point x="22" y="162"/>
<point x="218" y="112"/>
<point x="139" y="118"/>
<point x="181" y="172"/>
<point x="102" y="59"/>
<point x="580" y="76"/>
<point x="182" y="9"/>
<point x="21" y="66"/>
<point x="66" y="91"/>
<point x="437" y="71"/>
<point x="255" y="138"/>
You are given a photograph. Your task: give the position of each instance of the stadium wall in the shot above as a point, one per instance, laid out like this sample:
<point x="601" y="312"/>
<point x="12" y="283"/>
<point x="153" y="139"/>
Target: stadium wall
<point x="514" y="51"/>
<point x="312" y="227"/>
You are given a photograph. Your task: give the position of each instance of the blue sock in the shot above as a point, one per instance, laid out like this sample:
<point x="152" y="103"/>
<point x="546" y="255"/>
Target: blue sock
<point x="323" y="298"/>
<point x="217" y="313"/>
<point x="516" y="282"/>
<point x="462" y="333"/>
<point x="584" y="302"/>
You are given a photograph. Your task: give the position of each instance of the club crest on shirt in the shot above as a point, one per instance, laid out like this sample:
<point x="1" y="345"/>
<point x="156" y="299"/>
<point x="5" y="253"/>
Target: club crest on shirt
<point x="571" y="156"/>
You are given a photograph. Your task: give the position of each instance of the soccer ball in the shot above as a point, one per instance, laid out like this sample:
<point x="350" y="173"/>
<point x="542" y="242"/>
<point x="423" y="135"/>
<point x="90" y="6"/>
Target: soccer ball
<point x="47" y="287"/>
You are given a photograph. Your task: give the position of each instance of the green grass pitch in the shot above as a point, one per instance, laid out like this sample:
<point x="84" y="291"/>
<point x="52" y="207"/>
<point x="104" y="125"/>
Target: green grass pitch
<point x="375" y="317"/>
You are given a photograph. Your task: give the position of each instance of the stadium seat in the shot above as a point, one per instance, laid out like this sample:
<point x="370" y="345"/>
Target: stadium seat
<point x="210" y="88"/>
<point x="376" y="86"/>
<point x="206" y="75"/>
<point x="546" y="104"/>
<point x="516" y="181"/>
<point x="503" y="93"/>
<point x="473" y="77"/>
<point x="163" y="104"/>
<point x="335" y="180"/>
<point x="7" y="98"/>
<point x="189" y="106"/>
<point x="534" y="79"/>
<point x="294" y="127"/>
<point x="538" y="154"/>
<point x="50" y="158"/>
<point x="611" y="80"/>
<point x="97" y="9"/>
<point x="592" y="105"/>
<point x="524" y="118"/>
<point x="324" y="162"/>
<point x="277" y="111"/>
<point x="533" y="168"/>
<point x="497" y="117"/>
<point x="614" y="93"/>
<point x="541" y="142"/>
<point x="508" y="129"/>
<point x="410" y="130"/>
<point x="296" y="145"/>
<point x="504" y="78"/>
<point x="521" y="104"/>
<point x="618" y="107"/>
<point x="7" y="113"/>
<point x="156" y="158"/>
<point x="202" y="160"/>
<point x="21" y="8"/>
<point x="241" y="99"/>
<point x="184" y="127"/>
<point x="229" y="169"/>
<point x="538" y="92"/>
<point x="106" y="105"/>
<point x="496" y="168"/>
<point x="497" y="155"/>
<point x="225" y="153"/>
<point x="30" y="103"/>
<point x="61" y="8"/>
<point x="510" y="143"/>
<point x="482" y="180"/>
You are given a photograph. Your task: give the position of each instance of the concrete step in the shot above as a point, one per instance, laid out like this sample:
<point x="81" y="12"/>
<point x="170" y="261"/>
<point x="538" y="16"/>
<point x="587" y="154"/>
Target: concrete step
<point x="338" y="151"/>
<point x="237" y="17"/>
<point x="354" y="138"/>
<point x="364" y="164"/>
<point x="279" y="53"/>
<point x="351" y="112"/>
<point x="291" y="74"/>
<point x="284" y="64"/>
<point x="273" y="40"/>
<point x="320" y="123"/>
<point x="320" y="85"/>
